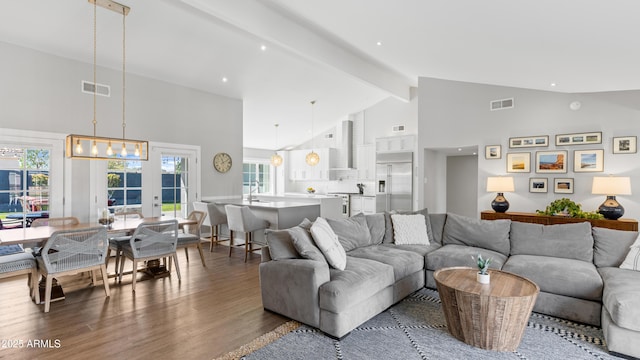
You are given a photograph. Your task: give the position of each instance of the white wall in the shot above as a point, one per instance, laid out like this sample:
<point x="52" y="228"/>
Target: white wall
<point x="462" y="185"/>
<point x="453" y="114"/>
<point x="42" y="92"/>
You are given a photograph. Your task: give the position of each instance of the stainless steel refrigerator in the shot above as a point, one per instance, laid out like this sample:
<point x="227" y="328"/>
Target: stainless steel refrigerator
<point x="394" y="176"/>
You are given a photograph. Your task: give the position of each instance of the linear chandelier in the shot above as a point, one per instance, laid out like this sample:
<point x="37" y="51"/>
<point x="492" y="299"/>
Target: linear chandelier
<point x="106" y="148"/>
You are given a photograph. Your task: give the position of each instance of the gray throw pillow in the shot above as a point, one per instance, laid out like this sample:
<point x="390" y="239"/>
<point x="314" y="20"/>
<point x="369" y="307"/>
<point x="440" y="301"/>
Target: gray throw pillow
<point x="611" y="246"/>
<point x="376" y="223"/>
<point x="352" y="232"/>
<point x="303" y="242"/>
<point x="388" y="228"/>
<point x="486" y="234"/>
<point x="280" y="245"/>
<point x="570" y="241"/>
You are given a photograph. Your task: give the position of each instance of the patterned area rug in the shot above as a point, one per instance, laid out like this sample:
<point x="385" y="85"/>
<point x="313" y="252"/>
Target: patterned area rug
<point x="415" y="328"/>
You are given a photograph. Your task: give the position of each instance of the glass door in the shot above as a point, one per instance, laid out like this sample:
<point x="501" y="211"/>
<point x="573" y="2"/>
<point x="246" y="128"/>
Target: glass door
<point x="175" y="185"/>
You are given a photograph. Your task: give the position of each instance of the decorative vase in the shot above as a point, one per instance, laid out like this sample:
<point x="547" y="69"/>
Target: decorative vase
<point x="483" y="278"/>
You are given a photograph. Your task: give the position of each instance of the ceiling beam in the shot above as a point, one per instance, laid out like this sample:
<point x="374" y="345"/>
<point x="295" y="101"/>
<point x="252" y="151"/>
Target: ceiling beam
<point x="275" y="28"/>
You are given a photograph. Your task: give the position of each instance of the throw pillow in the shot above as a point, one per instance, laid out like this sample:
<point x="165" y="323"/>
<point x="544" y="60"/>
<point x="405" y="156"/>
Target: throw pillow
<point x="632" y="261"/>
<point x="303" y="243"/>
<point x="280" y="245"/>
<point x="427" y="220"/>
<point x="328" y="242"/>
<point x="409" y="229"/>
<point x="352" y="232"/>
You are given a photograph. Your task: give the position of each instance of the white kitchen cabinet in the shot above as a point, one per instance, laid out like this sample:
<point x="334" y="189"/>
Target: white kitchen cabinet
<point x="366" y="162"/>
<point x="395" y="143"/>
<point x="300" y="170"/>
<point x="362" y="204"/>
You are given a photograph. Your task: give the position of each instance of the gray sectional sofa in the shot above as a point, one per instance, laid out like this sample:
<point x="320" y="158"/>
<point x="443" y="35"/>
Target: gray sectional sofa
<point x="575" y="266"/>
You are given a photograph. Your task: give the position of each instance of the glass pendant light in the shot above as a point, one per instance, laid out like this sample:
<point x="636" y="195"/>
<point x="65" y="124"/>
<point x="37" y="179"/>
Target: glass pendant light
<point x="312" y="158"/>
<point x="276" y="160"/>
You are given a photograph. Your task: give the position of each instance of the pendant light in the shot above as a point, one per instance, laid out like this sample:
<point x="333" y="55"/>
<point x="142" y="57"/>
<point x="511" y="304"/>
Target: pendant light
<point x="101" y="147"/>
<point x="276" y="160"/>
<point x="312" y="158"/>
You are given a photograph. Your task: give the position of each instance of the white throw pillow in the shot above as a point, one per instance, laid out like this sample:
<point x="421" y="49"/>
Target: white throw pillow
<point x="327" y="241"/>
<point x="409" y="229"/>
<point x="632" y="261"/>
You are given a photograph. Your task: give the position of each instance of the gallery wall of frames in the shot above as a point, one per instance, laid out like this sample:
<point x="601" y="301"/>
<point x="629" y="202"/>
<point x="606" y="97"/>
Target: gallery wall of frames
<point x="556" y="166"/>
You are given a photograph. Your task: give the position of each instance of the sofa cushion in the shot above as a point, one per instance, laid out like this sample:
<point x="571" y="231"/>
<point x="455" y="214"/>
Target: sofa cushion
<point x="280" y="244"/>
<point x="327" y="241"/>
<point x="621" y="296"/>
<point x="632" y="260"/>
<point x="486" y="234"/>
<point x="404" y="262"/>
<point x="376" y="223"/>
<point x="611" y="246"/>
<point x="571" y="241"/>
<point x="352" y="232"/>
<point x="388" y="229"/>
<point x="561" y="276"/>
<point x="409" y="229"/>
<point x="461" y="255"/>
<point x="361" y="279"/>
<point x="304" y="245"/>
<point x="436" y="222"/>
<point x="422" y="250"/>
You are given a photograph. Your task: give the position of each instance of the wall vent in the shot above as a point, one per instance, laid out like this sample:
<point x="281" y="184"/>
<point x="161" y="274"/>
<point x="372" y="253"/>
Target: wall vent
<point x="329" y="136"/>
<point x="397" y="128"/>
<point x="88" y="87"/>
<point x="501" y="104"/>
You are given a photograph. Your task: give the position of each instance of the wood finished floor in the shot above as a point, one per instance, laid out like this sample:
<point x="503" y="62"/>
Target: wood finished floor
<point x="212" y="311"/>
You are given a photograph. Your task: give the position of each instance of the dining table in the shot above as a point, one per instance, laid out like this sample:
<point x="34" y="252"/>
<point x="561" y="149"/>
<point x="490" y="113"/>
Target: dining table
<point x="37" y="237"/>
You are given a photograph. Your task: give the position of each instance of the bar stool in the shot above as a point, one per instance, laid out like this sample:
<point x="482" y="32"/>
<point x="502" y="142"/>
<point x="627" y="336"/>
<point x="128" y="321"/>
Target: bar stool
<point x="216" y="216"/>
<point x="241" y="218"/>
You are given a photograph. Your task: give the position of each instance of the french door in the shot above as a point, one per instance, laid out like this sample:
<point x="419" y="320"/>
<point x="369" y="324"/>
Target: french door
<point x="175" y="179"/>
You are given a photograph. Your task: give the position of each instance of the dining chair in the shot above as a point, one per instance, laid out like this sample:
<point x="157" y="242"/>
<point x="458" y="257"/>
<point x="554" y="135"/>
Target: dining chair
<point x="216" y="217"/>
<point x="190" y="236"/>
<point x="242" y="219"/>
<point x="72" y="251"/>
<point x="20" y="263"/>
<point x="150" y="241"/>
<point x="117" y="240"/>
<point x="59" y="221"/>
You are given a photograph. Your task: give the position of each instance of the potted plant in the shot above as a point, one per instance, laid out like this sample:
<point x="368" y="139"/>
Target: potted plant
<point x="566" y="207"/>
<point x="483" y="265"/>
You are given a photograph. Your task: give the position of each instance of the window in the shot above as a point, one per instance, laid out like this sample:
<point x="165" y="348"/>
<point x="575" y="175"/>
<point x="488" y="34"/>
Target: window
<point x="124" y="185"/>
<point x="175" y="185"/>
<point x="256" y="174"/>
<point x="24" y="184"/>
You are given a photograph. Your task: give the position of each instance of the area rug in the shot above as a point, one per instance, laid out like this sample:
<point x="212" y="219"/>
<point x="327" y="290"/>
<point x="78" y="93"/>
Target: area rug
<point x="415" y="328"/>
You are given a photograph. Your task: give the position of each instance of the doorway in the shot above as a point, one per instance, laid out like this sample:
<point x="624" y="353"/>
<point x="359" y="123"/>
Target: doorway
<point x="462" y="185"/>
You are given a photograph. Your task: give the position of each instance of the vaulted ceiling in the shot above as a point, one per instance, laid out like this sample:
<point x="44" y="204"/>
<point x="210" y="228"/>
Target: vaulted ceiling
<point x="278" y="55"/>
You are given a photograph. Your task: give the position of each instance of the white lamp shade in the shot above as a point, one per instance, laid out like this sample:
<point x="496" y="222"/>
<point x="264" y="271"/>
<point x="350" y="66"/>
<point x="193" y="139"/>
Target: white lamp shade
<point x="500" y="184"/>
<point x="611" y="185"/>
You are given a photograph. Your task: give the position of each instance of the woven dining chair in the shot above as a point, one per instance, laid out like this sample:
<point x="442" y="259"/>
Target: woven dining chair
<point x="190" y="237"/>
<point x="72" y="251"/>
<point x="150" y="241"/>
<point x="117" y="240"/>
<point x="19" y="264"/>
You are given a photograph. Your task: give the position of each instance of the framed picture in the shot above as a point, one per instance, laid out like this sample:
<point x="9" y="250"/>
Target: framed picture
<point x="551" y="161"/>
<point x="625" y="145"/>
<point x="493" y="152"/>
<point x="563" y="185"/>
<point x="588" y="160"/>
<point x="579" y="139"/>
<point x="538" y="185"/>
<point x="519" y="162"/>
<point x="529" y="141"/>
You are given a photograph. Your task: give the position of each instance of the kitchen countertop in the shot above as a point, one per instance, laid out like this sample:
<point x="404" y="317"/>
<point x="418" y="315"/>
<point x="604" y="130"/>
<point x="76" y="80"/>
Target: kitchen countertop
<point x="265" y="204"/>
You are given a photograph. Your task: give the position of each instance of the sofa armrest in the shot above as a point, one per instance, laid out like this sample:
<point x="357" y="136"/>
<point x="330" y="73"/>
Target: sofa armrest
<point x="290" y="287"/>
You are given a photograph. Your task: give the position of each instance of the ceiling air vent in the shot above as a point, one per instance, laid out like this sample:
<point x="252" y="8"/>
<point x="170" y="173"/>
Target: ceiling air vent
<point x="88" y="87"/>
<point x="501" y="104"/>
<point x="397" y="128"/>
<point x="329" y="136"/>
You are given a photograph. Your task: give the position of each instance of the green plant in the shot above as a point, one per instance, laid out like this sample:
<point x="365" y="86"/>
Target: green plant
<point x="568" y="207"/>
<point x="483" y="264"/>
<point x="40" y="179"/>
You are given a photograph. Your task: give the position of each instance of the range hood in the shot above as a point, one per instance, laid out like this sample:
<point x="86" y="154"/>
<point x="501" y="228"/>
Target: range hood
<point x="345" y="149"/>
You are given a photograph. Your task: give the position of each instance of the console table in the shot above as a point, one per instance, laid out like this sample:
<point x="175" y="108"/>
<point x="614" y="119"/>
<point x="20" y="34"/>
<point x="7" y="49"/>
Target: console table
<point x="533" y="218"/>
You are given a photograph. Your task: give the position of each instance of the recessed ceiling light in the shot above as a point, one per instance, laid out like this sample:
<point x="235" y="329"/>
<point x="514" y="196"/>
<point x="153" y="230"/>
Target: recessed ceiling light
<point x="224" y="79"/>
<point x="263" y="47"/>
<point x="553" y="84"/>
<point x="379" y="43"/>
<point x="459" y="149"/>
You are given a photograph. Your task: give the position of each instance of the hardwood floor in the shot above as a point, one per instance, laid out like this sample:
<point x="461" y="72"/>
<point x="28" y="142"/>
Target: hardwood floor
<point x="212" y="311"/>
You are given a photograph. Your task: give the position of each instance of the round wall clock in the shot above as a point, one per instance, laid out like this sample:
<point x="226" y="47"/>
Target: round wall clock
<point x="222" y="162"/>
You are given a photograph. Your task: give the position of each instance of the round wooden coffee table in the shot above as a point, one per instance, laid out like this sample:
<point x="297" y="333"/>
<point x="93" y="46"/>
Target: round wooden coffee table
<point x="491" y="316"/>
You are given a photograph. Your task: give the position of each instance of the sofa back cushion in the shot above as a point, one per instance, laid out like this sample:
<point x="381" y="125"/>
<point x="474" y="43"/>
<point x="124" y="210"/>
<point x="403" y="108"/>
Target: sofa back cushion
<point x="376" y="225"/>
<point x="610" y="247"/>
<point x="280" y="245"/>
<point x="352" y="232"/>
<point x="486" y="234"/>
<point x="437" y="222"/>
<point x="571" y="241"/>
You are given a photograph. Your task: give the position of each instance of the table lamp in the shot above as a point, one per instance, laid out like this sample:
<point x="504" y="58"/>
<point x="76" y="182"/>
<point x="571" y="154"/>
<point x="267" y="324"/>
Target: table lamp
<point x="500" y="184"/>
<point x="611" y="186"/>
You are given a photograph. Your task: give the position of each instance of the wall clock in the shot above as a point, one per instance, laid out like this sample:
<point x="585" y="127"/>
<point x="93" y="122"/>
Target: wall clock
<point x="222" y="162"/>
